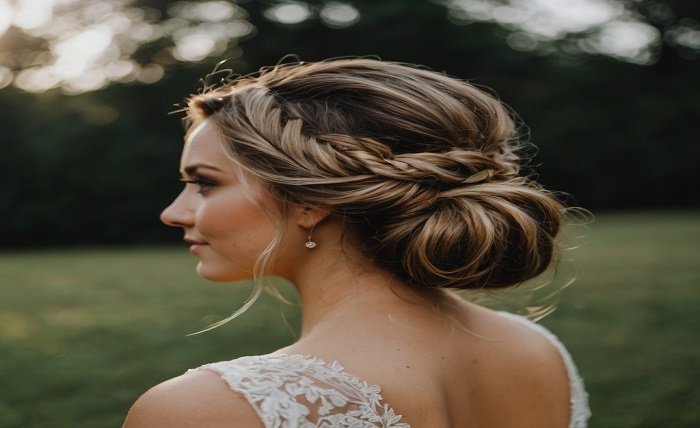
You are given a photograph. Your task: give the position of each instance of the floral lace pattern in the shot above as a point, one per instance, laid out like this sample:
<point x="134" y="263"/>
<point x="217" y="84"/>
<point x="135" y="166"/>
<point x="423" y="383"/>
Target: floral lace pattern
<point x="304" y="391"/>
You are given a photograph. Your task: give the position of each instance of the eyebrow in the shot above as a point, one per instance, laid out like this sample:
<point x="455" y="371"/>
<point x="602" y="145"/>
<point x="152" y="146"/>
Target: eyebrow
<point x="192" y="169"/>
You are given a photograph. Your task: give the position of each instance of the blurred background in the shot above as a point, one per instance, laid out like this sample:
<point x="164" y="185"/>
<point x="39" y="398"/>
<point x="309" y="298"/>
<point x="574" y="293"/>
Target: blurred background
<point x="95" y="303"/>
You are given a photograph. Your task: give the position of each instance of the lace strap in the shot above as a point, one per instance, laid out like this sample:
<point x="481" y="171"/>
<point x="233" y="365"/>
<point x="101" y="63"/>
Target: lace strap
<point x="580" y="411"/>
<point x="304" y="391"/>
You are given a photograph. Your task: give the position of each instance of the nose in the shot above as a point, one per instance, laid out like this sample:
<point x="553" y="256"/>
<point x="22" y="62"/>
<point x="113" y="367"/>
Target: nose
<point x="177" y="214"/>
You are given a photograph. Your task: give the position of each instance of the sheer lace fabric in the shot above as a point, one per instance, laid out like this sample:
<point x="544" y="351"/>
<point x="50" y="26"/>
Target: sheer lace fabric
<point x="304" y="391"/>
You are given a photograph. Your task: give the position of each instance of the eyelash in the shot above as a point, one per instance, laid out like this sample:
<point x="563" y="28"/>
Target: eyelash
<point x="204" y="185"/>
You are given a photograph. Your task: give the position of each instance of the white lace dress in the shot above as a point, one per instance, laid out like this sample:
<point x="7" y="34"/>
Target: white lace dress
<point x="302" y="391"/>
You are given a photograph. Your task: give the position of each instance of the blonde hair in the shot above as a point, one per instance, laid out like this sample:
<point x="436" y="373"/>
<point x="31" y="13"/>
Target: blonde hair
<point x="422" y="167"/>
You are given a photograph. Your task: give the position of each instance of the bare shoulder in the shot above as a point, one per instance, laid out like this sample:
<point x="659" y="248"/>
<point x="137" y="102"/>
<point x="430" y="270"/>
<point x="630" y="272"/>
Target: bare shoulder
<point x="195" y="399"/>
<point x="520" y="360"/>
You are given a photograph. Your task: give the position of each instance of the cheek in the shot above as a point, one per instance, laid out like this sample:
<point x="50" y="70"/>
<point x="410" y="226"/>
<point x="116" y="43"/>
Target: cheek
<point x="236" y="236"/>
<point x="236" y="223"/>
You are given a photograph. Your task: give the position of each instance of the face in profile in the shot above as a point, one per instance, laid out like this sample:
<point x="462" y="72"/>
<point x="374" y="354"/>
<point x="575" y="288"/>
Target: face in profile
<point x="225" y="229"/>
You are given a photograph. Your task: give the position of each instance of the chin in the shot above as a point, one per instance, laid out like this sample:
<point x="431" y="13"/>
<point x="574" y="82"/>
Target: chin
<point x="222" y="275"/>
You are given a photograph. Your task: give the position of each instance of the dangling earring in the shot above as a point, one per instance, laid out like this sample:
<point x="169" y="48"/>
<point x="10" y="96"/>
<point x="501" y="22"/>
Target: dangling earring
<point x="309" y="243"/>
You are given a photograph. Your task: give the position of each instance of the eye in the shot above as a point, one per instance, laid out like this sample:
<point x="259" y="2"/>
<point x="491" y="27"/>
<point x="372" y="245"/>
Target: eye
<point x="204" y="185"/>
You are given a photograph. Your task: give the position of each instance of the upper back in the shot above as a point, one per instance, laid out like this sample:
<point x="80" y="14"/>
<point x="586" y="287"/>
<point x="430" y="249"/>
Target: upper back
<point x="502" y="372"/>
<point x="493" y="370"/>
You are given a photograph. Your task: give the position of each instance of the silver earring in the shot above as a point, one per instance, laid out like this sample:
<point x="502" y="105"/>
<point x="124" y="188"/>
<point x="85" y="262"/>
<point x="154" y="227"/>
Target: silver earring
<point x="309" y="243"/>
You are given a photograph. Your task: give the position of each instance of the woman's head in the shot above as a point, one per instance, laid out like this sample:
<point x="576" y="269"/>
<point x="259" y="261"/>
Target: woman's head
<point x="422" y="168"/>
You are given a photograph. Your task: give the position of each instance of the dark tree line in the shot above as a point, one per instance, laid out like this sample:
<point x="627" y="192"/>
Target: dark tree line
<point x="99" y="166"/>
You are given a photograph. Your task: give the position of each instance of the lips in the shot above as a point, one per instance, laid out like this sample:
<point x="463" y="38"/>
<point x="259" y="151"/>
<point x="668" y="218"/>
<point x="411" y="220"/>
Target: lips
<point x="195" y="245"/>
<point x="194" y="241"/>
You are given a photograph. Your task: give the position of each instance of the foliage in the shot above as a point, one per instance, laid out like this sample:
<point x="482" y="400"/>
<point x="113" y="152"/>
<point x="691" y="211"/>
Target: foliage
<point x="84" y="332"/>
<point x="98" y="166"/>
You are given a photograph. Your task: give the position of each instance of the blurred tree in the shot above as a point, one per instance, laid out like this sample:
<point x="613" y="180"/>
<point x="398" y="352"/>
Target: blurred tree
<point x="90" y="154"/>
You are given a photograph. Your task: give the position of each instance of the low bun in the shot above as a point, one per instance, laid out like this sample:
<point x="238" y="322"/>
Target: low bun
<point x="489" y="235"/>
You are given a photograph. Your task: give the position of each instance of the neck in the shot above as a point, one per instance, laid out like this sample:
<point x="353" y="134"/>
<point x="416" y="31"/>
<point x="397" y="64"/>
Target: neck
<point x="351" y="290"/>
<point x="343" y="290"/>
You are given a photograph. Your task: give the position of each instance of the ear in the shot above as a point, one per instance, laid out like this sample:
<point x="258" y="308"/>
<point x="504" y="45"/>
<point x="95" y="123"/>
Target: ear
<point x="308" y="217"/>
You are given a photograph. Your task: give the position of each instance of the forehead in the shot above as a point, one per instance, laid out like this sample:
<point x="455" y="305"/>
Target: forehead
<point x="204" y="145"/>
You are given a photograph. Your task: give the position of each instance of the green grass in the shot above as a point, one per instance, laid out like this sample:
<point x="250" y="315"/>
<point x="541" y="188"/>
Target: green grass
<point x="84" y="332"/>
<point x="633" y="317"/>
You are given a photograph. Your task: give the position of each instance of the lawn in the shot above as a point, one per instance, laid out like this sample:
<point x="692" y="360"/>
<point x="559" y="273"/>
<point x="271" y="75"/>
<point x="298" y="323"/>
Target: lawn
<point x="84" y="332"/>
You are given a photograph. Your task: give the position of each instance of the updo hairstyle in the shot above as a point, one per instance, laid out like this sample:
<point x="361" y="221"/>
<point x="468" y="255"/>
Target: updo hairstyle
<point x="422" y="167"/>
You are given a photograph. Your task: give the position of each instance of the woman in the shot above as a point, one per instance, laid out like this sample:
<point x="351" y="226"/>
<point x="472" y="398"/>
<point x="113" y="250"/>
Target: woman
<point x="376" y="188"/>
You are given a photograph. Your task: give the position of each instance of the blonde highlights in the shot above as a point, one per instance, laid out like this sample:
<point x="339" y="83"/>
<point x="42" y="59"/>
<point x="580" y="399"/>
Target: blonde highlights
<point x="423" y="168"/>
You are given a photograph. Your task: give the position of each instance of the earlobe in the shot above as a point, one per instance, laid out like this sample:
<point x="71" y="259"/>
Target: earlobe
<point x="308" y="217"/>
